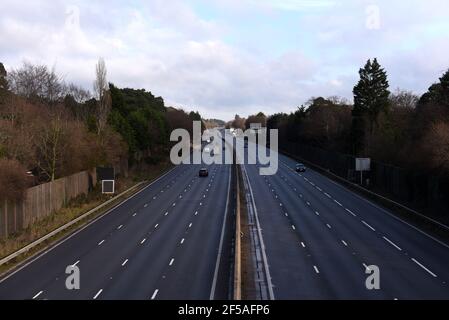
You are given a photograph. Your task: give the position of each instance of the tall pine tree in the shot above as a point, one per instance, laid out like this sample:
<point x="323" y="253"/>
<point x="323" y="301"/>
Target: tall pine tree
<point x="370" y="100"/>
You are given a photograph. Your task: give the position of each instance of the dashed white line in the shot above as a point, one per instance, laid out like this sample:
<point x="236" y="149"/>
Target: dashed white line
<point x="155" y="227"/>
<point x="101" y="242"/>
<point x="166" y="214"/>
<point x="155" y="294"/>
<point x="351" y="212"/>
<point x="119" y="227"/>
<point x="286" y="214"/>
<point x="316" y="269"/>
<point x="338" y="203"/>
<point x="143" y="241"/>
<point x="317" y="213"/>
<point x="344" y="243"/>
<point x="319" y="189"/>
<point x="293" y="227"/>
<point x="125" y="262"/>
<point x="328" y="195"/>
<point x="190" y="225"/>
<point x="38" y="294"/>
<point x="303" y="244"/>
<point x="146" y="205"/>
<point x="182" y="241"/>
<point x="135" y="214"/>
<point x="196" y="213"/>
<point x="329" y="226"/>
<point x="366" y="224"/>
<point x="392" y="243"/>
<point x="98" y="294"/>
<point x="171" y="262"/>
<point x="422" y="266"/>
<point x="174" y="204"/>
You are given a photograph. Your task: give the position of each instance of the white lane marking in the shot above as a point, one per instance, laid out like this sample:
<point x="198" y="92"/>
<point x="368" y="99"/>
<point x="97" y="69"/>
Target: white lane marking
<point x="313" y="184"/>
<point x="201" y="204"/>
<point x="119" y="227"/>
<point x="316" y="269"/>
<point x="166" y="214"/>
<point x="351" y="212"/>
<point x="293" y="227"/>
<point x="74" y="265"/>
<point x="171" y="262"/>
<point x="366" y="224"/>
<point x="125" y="262"/>
<point x="392" y="243"/>
<point x="146" y="205"/>
<point x="155" y="294"/>
<point x="308" y="203"/>
<point x="329" y="226"/>
<point x="303" y="244"/>
<point x="182" y="241"/>
<point x="338" y="203"/>
<point x="98" y="294"/>
<point x="286" y="214"/>
<point x="422" y="266"/>
<point x="143" y="241"/>
<point x="135" y="214"/>
<point x="319" y="189"/>
<point x="190" y="225"/>
<point x="317" y="213"/>
<point x="174" y="204"/>
<point x="196" y="213"/>
<point x="38" y="294"/>
<point x="155" y="227"/>
<point x="328" y="195"/>
<point x="101" y="242"/>
<point x="344" y="242"/>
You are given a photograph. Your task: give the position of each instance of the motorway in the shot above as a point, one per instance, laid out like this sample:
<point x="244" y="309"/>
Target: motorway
<point x="163" y="243"/>
<point x="321" y="239"/>
<point x="318" y="240"/>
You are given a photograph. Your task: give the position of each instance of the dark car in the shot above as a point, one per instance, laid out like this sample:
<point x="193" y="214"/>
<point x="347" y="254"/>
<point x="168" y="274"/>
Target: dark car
<point x="300" y="167"/>
<point x="204" y="173"/>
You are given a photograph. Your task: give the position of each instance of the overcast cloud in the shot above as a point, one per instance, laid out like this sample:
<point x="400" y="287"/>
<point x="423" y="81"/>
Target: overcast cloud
<point x="231" y="56"/>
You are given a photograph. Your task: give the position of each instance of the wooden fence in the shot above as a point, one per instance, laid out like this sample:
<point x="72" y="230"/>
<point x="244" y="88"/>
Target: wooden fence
<point x="42" y="200"/>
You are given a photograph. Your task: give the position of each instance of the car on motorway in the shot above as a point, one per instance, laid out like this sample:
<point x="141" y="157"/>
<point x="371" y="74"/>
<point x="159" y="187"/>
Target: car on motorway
<point x="204" y="173"/>
<point x="300" y="167"/>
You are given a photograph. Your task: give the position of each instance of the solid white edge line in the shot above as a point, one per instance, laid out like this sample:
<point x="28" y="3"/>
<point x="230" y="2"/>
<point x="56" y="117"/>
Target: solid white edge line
<point x="262" y="244"/>
<point x="220" y="248"/>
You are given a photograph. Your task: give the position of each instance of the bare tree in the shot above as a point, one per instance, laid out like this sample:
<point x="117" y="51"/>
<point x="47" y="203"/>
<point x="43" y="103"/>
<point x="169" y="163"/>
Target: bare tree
<point x="103" y="96"/>
<point x="402" y="99"/>
<point x="79" y="94"/>
<point x="37" y="83"/>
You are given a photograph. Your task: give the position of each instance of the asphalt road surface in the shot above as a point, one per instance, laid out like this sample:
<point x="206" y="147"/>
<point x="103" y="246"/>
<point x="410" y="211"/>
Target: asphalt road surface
<point x="321" y="240"/>
<point x="163" y="243"/>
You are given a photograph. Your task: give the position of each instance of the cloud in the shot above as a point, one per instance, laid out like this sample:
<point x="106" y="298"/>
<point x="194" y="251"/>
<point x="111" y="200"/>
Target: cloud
<point x="233" y="56"/>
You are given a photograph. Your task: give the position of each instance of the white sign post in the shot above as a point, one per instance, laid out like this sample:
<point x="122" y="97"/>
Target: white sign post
<point x="362" y="164"/>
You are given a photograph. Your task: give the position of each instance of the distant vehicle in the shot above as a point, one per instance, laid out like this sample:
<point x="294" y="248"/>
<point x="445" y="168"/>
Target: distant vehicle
<point x="300" y="167"/>
<point x="204" y="173"/>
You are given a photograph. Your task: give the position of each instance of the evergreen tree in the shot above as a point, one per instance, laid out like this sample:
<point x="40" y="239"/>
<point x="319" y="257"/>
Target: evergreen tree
<point x="3" y="82"/>
<point x="371" y="98"/>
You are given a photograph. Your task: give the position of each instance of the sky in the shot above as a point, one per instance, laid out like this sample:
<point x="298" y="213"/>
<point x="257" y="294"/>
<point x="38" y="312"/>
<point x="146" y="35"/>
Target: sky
<point x="228" y="57"/>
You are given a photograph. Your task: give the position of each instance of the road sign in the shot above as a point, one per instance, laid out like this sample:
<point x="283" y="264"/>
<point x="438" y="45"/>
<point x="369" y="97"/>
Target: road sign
<point x="108" y="186"/>
<point x="255" y="126"/>
<point x="363" y="164"/>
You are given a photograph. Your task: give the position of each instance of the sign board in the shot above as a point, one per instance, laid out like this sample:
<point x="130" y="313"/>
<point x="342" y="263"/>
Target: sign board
<point x="108" y="186"/>
<point x="105" y="174"/>
<point x="363" y="164"/>
<point x="255" y="126"/>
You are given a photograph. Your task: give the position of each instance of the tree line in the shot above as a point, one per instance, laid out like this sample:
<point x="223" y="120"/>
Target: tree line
<point x="50" y="128"/>
<point x="398" y="128"/>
